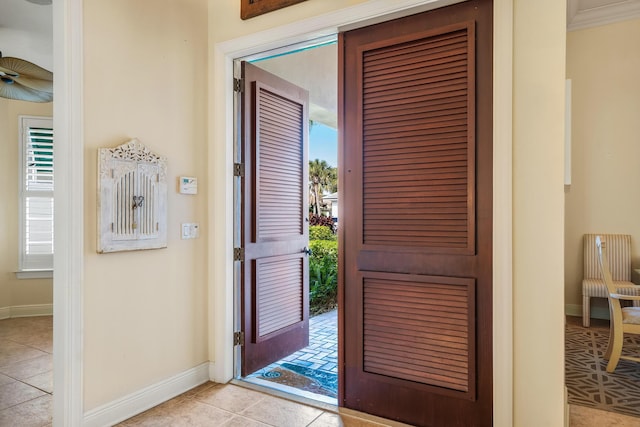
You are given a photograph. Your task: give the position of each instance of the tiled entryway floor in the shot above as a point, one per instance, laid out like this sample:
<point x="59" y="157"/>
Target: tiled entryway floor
<point x="230" y="406"/>
<point x="26" y="387"/>
<point x="26" y="376"/>
<point x="311" y="372"/>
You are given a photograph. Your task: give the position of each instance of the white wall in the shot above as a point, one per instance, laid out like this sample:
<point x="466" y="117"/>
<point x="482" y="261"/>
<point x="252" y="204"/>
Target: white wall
<point x="603" y="64"/>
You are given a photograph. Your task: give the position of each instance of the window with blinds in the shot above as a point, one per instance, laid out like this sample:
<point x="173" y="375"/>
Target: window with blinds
<point x="36" y="193"/>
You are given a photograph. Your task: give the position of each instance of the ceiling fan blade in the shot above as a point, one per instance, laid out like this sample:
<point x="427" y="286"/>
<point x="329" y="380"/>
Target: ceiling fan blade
<point x="35" y="84"/>
<point x="25" y="68"/>
<point x="23" y="93"/>
<point x="7" y="71"/>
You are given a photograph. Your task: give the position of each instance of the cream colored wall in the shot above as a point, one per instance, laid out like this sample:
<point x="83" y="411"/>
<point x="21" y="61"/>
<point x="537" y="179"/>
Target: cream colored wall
<point x="14" y="292"/>
<point x="145" y="77"/>
<point x="538" y="212"/>
<point x="603" y="64"/>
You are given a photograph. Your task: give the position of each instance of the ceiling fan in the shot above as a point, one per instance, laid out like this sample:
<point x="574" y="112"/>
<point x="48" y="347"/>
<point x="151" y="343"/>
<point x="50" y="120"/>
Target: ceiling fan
<point x="24" y="80"/>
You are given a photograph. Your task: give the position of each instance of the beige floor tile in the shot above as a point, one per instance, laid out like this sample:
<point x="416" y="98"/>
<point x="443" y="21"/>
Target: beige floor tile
<point x="5" y="380"/>
<point x="34" y="413"/>
<point x="42" y="381"/>
<point x="328" y="419"/>
<point x="185" y="413"/>
<point x="279" y="412"/>
<point x="240" y="421"/>
<point x="21" y="328"/>
<point x="28" y="368"/>
<point x="230" y="397"/>
<point x="12" y="352"/>
<point x="41" y="342"/>
<point x="17" y="392"/>
<point x="191" y="394"/>
<point x="581" y="416"/>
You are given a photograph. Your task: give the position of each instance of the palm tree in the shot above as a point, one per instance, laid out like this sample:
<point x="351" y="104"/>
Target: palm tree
<point x="322" y="177"/>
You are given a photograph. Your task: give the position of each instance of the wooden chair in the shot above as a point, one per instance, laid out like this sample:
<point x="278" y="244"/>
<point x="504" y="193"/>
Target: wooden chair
<point x="623" y="319"/>
<point x="619" y="250"/>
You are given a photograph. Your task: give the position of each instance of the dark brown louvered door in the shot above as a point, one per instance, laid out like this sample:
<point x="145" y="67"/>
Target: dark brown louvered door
<point x="275" y="232"/>
<point x="416" y="186"/>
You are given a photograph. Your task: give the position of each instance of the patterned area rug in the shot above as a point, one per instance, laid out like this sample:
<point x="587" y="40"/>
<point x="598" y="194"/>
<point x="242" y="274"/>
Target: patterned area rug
<point x="587" y="380"/>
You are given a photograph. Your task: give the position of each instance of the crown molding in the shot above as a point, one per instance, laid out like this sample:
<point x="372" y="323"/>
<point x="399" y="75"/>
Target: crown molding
<point x="602" y="12"/>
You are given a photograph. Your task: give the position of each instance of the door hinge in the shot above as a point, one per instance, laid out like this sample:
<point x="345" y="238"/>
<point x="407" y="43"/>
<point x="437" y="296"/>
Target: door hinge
<point x="238" y="254"/>
<point x="238" y="338"/>
<point x="238" y="85"/>
<point x="238" y="169"/>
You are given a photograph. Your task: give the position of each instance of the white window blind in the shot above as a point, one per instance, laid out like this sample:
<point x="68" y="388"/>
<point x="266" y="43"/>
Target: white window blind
<point x="36" y="194"/>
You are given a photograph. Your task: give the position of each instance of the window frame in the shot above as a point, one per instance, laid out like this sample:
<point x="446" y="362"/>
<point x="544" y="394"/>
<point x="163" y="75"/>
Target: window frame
<point x="34" y="265"/>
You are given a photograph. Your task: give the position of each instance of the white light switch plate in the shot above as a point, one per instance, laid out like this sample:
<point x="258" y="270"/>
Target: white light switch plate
<point x="189" y="230"/>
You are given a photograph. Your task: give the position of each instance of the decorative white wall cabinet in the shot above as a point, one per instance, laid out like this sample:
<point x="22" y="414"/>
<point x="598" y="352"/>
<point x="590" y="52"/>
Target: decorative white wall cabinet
<point x="132" y="198"/>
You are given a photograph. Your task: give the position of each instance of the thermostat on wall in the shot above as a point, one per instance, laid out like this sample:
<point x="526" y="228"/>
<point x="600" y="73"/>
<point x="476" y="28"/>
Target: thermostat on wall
<point x="188" y="185"/>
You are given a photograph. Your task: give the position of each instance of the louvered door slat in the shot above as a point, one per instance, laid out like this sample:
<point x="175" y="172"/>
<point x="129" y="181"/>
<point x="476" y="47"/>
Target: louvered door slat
<point x="419" y="107"/>
<point x="422" y="142"/>
<point x="404" y="336"/>
<point x="279" y="282"/>
<point x="280" y="158"/>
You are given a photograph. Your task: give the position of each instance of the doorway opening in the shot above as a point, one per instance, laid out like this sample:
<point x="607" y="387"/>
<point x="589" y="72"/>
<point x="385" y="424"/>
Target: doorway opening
<point x="310" y="370"/>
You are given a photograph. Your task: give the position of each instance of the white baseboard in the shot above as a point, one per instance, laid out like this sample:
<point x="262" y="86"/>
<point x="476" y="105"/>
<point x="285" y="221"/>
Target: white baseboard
<point x="26" y="311"/>
<point x="596" y="312"/>
<point x="135" y="403"/>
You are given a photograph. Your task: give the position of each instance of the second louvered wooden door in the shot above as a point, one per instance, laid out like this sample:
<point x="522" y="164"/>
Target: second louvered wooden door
<point x="416" y="184"/>
<point x="275" y="231"/>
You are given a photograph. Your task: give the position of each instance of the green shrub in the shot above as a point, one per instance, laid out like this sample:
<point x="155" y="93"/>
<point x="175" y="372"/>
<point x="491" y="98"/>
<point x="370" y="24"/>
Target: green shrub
<point x="321" y="232"/>
<point x="323" y="275"/>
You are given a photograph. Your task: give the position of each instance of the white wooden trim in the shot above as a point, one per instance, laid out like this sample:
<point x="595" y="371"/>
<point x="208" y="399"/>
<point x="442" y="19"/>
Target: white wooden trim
<point x="31" y="310"/>
<point x="34" y="274"/>
<point x="586" y="18"/>
<point x="69" y="213"/>
<point x="220" y="157"/>
<point x="324" y="25"/>
<point x="153" y="395"/>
